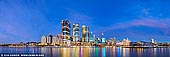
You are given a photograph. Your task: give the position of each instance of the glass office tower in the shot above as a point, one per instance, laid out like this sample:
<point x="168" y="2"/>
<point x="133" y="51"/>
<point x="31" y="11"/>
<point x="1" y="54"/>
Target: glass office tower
<point x="76" y="32"/>
<point x="85" y="33"/>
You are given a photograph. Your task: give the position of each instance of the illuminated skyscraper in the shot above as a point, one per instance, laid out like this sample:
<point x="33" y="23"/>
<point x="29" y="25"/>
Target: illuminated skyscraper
<point x="85" y="33"/>
<point x="92" y="37"/>
<point x="49" y="39"/>
<point x="65" y="30"/>
<point x="43" y="39"/>
<point x="152" y="40"/>
<point x="103" y="38"/>
<point x="76" y="32"/>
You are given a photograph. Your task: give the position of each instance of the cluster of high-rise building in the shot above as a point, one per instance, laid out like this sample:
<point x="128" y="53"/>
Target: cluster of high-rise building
<point x="82" y="36"/>
<point x="65" y="39"/>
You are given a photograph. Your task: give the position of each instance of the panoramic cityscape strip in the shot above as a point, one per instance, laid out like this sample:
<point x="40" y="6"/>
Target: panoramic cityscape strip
<point x="84" y="28"/>
<point x="87" y="39"/>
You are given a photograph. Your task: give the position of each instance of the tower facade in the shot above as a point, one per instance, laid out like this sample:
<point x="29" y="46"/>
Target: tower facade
<point x="65" y="30"/>
<point x="103" y="38"/>
<point x="43" y="39"/>
<point x="59" y="39"/>
<point x="76" y="32"/>
<point x="85" y="33"/>
<point x="92" y="37"/>
<point x="49" y="39"/>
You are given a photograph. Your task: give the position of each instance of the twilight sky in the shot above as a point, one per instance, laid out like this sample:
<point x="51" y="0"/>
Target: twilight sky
<point x="28" y="20"/>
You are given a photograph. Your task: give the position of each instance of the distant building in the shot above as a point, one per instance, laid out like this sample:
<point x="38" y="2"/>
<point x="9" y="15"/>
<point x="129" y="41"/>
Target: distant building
<point x="153" y="41"/>
<point x="126" y="42"/>
<point x="113" y="41"/>
<point x="119" y="42"/>
<point x="103" y="38"/>
<point x="133" y="43"/>
<point x="43" y="40"/>
<point x="140" y="43"/>
<point x="59" y="39"/>
<point x="85" y="33"/>
<point x="92" y="37"/>
<point x="99" y="40"/>
<point x="31" y="43"/>
<point x="76" y="32"/>
<point x="54" y="41"/>
<point x="65" y="31"/>
<point x="49" y="39"/>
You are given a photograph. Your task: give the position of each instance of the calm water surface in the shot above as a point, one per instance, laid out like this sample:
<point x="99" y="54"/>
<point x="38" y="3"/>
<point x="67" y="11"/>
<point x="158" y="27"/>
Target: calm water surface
<point x="90" y="52"/>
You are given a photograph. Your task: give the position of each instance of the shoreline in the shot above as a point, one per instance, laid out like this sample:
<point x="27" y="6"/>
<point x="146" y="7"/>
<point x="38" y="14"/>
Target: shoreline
<point x="93" y="46"/>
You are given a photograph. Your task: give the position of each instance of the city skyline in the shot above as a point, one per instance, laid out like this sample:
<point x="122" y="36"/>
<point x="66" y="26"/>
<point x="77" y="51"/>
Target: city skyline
<point x="138" y="20"/>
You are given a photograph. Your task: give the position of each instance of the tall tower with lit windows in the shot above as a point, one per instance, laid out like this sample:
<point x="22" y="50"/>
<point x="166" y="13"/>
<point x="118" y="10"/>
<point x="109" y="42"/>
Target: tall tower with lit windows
<point x="85" y="33"/>
<point x="76" y="32"/>
<point x="65" y="31"/>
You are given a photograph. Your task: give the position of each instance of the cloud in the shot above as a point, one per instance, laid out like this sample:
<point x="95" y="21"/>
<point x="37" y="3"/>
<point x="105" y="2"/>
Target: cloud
<point x="76" y="16"/>
<point x="20" y="22"/>
<point x="159" y="23"/>
<point x="149" y="22"/>
<point x="139" y="29"/>
<point x="146" y="11"/>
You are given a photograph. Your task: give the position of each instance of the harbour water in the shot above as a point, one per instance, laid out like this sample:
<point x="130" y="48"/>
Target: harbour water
<point x="90" y="51"/>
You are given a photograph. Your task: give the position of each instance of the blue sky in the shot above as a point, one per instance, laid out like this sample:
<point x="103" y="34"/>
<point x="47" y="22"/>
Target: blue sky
<point x="28" y="20"/>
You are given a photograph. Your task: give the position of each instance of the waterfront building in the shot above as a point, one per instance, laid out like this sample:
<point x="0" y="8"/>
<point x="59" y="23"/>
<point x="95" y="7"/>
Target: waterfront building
<point x="119" y="43"/>
<point x="49" y="39"/>
<point x="107" y="43"/>
<point x="96" y="40"/>
<point x="113" y="41"/>
<point x="126" y="42"/>
<point x="146" y="43"/>
<point x="43" y="40"/>
<point x="31" y="43"/>
<point x="99" y="40"/>
<point x="141" y="43"/>
<point x="59" y="39"/>
<point x="22" y="44"/>
<point x="68" y="43"/>
<point x="92" y="37"/>
<point x="153" y="41"/>
<point x="133" y="43"/>
<point x="85" y="33"/>
<point x="65" y="31"/>
<point x="76" y="32"/>
<point x="103" y="38"/>
<point x="54" y="41"/>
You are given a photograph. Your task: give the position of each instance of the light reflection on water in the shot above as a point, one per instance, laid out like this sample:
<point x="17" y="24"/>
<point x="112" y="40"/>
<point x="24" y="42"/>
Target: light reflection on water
<point x="90" y="52"/>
